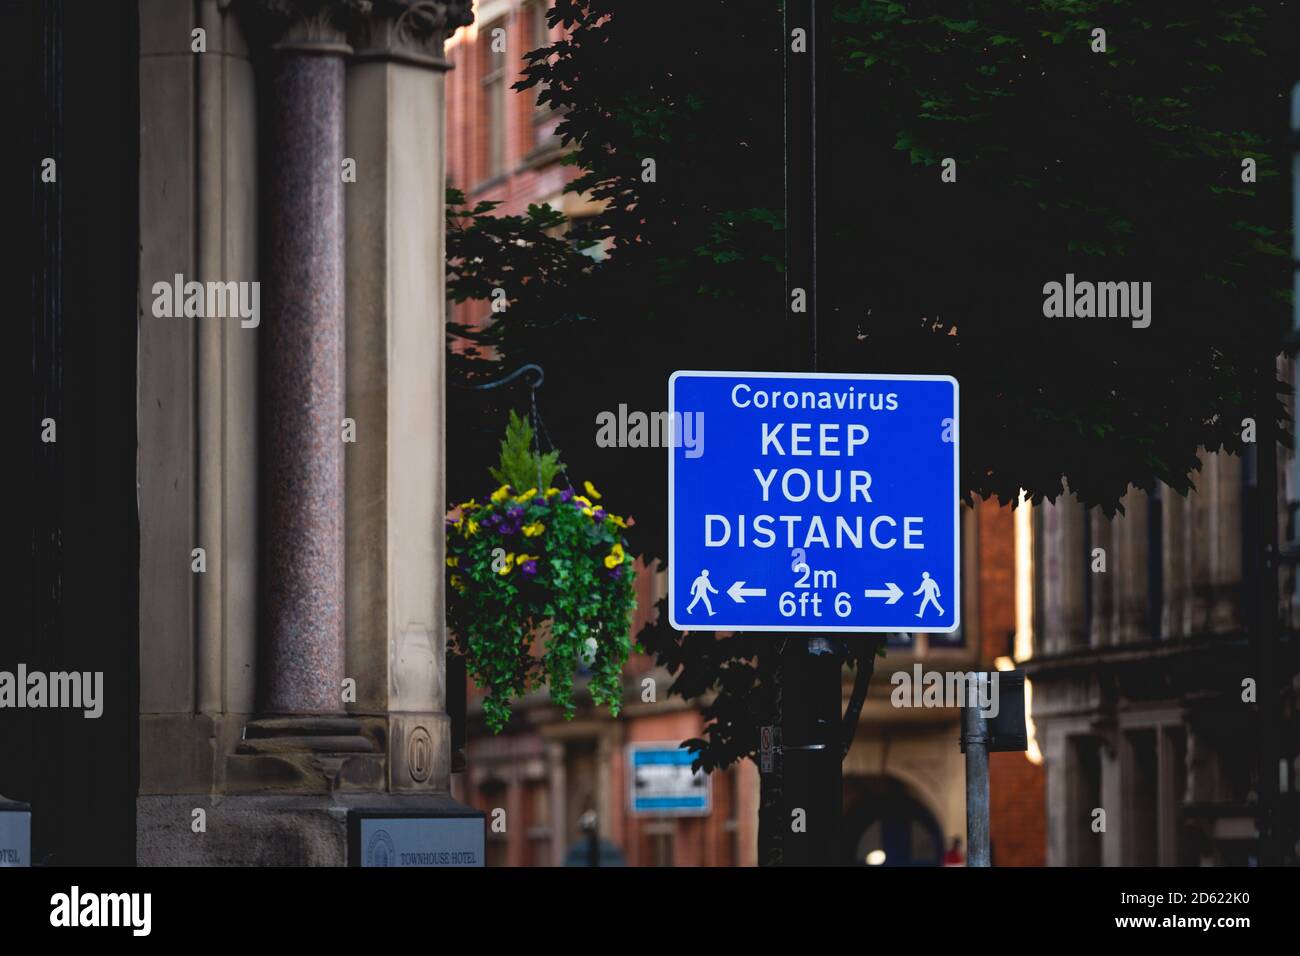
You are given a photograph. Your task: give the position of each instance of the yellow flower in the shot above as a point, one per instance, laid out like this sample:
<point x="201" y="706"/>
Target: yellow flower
<point x="460" y="524"/>
<point x="582" y="500"/>
<point x="533" y="530"/>
<point x="501" y="494"/>
<point x="525" y="557"/>
<point x="457" y="583"/>
<point x="471" y="529"/>
<point x="526" y="496"/>
<point x="615" y="557"/>
<point x="452" y="562"/>
<point x="591" y="490"/>
<point x="552" y="492"/>
<point x="505" y="568"/>
<point x="470" y="505"/>
<point x="617" y="521"/>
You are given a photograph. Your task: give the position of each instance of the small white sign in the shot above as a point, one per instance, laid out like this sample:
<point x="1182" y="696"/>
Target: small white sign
<point x="15" y="838"/>
<point x="422" y="841"/>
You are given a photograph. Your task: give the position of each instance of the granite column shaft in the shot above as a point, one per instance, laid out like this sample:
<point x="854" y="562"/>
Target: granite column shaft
<point x="302" y="385"/>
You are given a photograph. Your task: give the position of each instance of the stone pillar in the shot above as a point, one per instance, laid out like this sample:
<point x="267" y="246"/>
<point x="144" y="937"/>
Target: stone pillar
<point x="559" y="811"/>
<point x="1129" y="534"/>
<point x="225" y="249"/>
<point x="1061" y="807"/>
<point x="1226" y="538"/>
<point x="1114" y="802"/>
<point x="1173" y="513"/>
<point x="197" y="400"/>
<point x="1063" y="568"/>
<point x="1197" y="545"/>
<point x="1102" y="534"/>
<point x="302" y="361"/>
<point x="606" y="751"/>
<point x="396" y="340"/>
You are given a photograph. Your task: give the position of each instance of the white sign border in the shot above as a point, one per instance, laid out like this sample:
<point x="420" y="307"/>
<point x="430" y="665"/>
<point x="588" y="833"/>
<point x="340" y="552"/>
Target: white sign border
<point x="820" y="628"/>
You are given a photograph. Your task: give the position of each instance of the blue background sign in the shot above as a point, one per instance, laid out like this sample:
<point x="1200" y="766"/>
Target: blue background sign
<point x="810" y="502"/>
<point x="663" y="783"/>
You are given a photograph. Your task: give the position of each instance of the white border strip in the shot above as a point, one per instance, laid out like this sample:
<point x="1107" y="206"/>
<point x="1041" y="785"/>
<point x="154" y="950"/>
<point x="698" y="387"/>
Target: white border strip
<point x="818" y="628"/>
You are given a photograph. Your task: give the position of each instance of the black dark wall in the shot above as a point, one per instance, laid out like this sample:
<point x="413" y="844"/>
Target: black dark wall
<point x="69" y="80"/>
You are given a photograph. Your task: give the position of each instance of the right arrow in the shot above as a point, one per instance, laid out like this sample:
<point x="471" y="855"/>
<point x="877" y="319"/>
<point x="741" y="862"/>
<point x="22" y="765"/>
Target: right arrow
<point x="891" y="591"/>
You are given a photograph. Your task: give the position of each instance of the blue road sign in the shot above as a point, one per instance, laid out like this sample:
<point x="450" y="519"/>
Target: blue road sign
<point x="810" y="502"/>
<point x="663" y="783"/>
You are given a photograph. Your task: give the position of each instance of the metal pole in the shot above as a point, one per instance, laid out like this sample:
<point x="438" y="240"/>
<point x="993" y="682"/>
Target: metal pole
<point x="812" y="695"/>
<point x="975" y="736"/>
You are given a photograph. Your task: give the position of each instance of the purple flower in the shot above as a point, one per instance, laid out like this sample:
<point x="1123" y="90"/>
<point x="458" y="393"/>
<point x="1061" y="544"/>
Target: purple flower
<point x="616" y="572"/>
<point x="528" y="569"/>
<point x="598" y="515"/>
<point x="566" y="494"/>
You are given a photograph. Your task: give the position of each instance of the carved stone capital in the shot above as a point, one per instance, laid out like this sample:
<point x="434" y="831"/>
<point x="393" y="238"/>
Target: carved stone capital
<point x="410" y="31"/>
<point x="317" y="26"/>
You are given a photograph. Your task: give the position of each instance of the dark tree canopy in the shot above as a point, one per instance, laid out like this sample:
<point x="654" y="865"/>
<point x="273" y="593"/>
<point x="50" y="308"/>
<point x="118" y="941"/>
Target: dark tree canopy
<point x="1123" y="165"/>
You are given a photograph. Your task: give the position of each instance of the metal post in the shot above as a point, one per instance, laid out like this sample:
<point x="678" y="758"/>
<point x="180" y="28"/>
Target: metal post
<point x="812" y="696"/>
<point x="976" y="739"/>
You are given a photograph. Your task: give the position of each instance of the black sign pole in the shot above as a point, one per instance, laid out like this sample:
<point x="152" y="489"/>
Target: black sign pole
<point x="976" y="745"/>
<point x="811" y="665"/>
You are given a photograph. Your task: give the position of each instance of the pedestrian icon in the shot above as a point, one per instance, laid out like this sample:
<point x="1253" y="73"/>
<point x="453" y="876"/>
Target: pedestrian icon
<point x="930" y="588"/>
<point x="701" y="589"/>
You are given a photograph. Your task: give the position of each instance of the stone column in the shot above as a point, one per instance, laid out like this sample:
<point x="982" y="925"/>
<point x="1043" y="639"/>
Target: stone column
<point x="1173" y="514"/>
<point x="1101" y="619"/>
<point x="1060" y="806"/>
<point x="197" y="402"/>
<point x="1197" y="544"/>
<point x="555" y="776"/>
<point x="302" y="357"/>
<point x="1129" y="534"/>
<point x="1114" y="802"/>
<point x="396" y="340"/>
<point x="1064" y="565"/>
<point x="1225" y="540"/>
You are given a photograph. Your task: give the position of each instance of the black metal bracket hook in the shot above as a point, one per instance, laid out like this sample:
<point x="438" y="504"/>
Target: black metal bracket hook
<point x="529" y="369"/>
<point x="538" y="376"/>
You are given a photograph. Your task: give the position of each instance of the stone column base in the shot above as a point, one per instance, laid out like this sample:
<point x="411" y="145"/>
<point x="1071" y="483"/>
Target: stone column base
<point x="419" y="750"/>
<point x="260" y="830"/>
<point x="307" y="755"/>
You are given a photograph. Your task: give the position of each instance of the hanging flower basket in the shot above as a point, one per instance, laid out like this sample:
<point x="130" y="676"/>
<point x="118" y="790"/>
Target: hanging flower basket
<point x="539" y="564"/>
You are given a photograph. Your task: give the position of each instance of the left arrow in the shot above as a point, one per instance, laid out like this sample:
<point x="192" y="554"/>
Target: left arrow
<point x="738" y="592"/>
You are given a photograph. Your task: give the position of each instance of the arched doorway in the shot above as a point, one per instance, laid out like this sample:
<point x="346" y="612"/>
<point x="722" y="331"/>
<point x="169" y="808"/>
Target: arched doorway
<point x="885" y="826"/>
